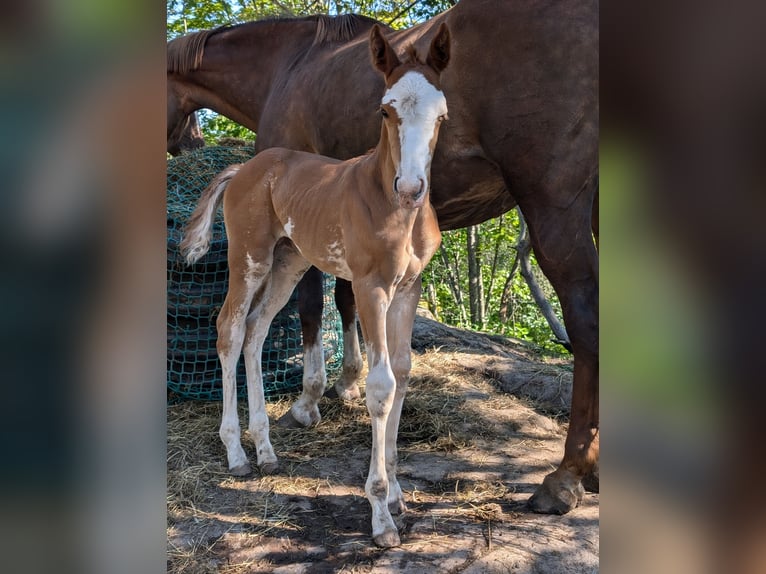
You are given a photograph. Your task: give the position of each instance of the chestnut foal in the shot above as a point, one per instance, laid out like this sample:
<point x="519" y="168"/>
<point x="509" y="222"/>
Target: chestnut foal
<point x="368" y="220"/>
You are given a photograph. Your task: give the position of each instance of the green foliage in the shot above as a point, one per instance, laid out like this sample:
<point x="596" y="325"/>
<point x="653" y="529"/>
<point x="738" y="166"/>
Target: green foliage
<point x="497" y="255"/>
<point x="215" y="127"/>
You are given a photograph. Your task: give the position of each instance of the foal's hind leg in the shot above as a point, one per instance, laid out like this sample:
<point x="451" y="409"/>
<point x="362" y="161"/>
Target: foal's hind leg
<point x="286" y="270"/>
<point x="231" y="324"/>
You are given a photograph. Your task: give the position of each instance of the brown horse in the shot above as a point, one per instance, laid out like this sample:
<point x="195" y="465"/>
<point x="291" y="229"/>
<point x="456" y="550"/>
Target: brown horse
<point x="523" y="129"/>
<point x="367" y="220"/>
<point x="186" y="136"/>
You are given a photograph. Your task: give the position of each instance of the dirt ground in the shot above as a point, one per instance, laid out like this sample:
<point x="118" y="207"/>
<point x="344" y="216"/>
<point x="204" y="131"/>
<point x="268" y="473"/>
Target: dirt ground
<point x="471" y="453"/>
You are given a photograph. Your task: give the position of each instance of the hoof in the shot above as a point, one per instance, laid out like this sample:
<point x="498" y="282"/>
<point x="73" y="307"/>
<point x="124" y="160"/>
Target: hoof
<point x="288" y="421"/>
<point x="388" y="539"/>
<point x="349" y="394"/>
<point x="269" y="467"/>
<point x="590" y="480"/>
<point x="397" y="507"/>
<point x="241" y="470"/>
<point x="558" y="494"/>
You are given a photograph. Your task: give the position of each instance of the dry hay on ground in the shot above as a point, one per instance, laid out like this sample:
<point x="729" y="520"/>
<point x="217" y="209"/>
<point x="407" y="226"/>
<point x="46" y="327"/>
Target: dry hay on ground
<point x="470" y="454"/>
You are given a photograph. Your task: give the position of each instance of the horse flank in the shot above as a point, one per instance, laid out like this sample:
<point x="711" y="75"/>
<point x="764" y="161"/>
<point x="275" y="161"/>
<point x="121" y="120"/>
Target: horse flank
<point x="186" y="52"/>
<point x="198" y="229"/>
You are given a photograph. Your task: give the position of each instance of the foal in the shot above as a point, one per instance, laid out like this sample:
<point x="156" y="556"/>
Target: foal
<point x="367" y="220"/>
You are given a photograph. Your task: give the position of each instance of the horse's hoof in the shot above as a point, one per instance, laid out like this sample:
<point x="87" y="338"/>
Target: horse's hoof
<point x="557" y="495"/>
<point x="352" y="394"/>
<point x="269" y="467"/>
<point x="349" y="394"/>
<point x="397" y="507"/>
<point x="590" y="481"/>
<point x="288" y="421"/>
<point x="388" y="539"/>
<point x="241" y="470"/>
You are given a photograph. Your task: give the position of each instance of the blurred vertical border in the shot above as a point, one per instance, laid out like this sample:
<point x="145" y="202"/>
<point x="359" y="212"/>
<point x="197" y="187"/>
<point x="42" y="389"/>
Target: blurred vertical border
<point x="683" y="260"/>
<point x="83" y="304"/>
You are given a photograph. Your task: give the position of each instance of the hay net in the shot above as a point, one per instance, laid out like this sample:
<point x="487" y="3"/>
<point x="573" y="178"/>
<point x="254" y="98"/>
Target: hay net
<point x="196" y="293"/>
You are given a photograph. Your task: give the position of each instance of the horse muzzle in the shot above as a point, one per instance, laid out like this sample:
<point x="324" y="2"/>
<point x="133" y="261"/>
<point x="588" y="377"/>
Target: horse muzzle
<point x="411" y="192"/>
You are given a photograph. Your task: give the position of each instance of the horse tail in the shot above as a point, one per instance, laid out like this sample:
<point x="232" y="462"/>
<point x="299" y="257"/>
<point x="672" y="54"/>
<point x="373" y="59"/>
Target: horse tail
<point x="199" y="228"/>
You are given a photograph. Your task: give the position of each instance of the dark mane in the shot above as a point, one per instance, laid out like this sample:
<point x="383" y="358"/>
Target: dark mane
<point x="342" y="28"/>
<point x="185" y="53"/>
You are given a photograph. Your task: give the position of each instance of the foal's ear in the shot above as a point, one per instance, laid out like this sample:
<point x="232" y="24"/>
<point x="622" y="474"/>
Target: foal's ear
<point x="383" y="56"/>
<point x="438" y="53"/>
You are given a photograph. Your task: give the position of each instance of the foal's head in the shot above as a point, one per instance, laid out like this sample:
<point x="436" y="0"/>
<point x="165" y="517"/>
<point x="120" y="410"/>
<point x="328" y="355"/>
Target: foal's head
<point x="413" y="108"/>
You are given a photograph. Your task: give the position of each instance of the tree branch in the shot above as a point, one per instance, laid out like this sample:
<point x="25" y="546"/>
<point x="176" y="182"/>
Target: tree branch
<point x="403" y="11"/>
<point x="524" y="251"/>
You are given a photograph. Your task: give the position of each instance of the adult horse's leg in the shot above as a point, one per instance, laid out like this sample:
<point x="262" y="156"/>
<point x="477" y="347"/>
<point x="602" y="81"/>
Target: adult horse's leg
<point x="564" y="247"/>
<point x="373" y="302"/>
<point x="399" y="320"/>
<point x="310" y="306"/>
<point x="347" y="387"/>
<point x="286" y="270"/>
<point x="244" y="282"/>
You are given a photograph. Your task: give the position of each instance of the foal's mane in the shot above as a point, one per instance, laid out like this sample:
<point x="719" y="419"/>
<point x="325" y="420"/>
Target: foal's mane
<point x="185" y="53"/>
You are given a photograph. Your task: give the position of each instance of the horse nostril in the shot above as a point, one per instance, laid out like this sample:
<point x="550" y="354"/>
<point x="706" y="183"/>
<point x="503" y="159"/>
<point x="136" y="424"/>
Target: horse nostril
<point x="396" y="184"/>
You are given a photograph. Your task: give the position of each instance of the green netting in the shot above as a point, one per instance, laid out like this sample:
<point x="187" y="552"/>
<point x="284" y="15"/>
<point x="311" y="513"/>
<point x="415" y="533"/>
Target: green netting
<point x="196" y="294"/>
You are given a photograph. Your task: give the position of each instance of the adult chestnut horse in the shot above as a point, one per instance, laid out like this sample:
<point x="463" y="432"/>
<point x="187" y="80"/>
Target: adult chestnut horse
<point x="186" y="136"/>
<point x="367" y="220"/>
<point x="523" y="96"/>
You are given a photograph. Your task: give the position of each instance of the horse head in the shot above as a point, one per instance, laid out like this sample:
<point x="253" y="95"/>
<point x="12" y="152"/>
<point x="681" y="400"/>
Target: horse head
<point x="413" y="107"/>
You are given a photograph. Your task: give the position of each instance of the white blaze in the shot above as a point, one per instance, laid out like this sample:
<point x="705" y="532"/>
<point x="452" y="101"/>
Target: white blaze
<point x="419" y="105"/>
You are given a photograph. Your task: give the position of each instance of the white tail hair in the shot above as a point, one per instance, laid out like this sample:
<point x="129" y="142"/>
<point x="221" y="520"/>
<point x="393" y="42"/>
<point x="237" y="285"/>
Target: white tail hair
<point x="199" y="228"/>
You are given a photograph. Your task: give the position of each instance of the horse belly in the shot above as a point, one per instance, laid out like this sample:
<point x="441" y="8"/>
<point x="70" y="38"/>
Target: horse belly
<point x="466" y="190"/>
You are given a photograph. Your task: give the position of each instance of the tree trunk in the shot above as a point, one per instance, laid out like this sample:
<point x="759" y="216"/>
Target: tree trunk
<point x="524" y="247"/>
<point x="507" y="294"/>
<point x="493" y="271"/>
<point x="475" y="285"/>
<point x="454" y="285"/>
<point x="433" y="303"/>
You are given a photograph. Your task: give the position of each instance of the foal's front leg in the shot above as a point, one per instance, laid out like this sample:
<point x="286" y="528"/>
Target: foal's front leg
<point x="373" y="301"/>
<point x="400" y="317"/>
<point x="305" y="411"/>
<point x="347" y="387"/>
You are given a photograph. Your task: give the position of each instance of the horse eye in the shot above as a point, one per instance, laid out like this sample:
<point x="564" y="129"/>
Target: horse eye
<point x="383" y="112"/>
